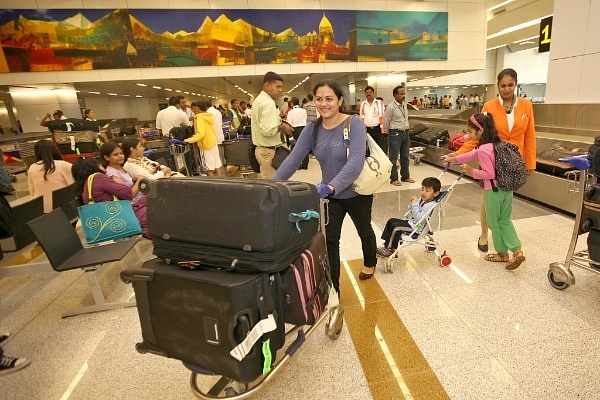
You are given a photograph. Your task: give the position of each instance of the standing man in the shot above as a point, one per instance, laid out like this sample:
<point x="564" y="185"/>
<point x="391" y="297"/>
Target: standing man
<point x="267" y="127"/>
<point x="395" y="122"/>
<point x="296" y="117"/>
<point x="311" y="109"/>
<point x="371" y="113"/>
<point x="172" y="116"/>
<point x="218" y="121"/>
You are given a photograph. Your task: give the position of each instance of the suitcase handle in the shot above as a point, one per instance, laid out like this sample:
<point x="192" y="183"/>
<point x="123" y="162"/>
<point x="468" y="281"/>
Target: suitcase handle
<point x="136" y="275"/>
<point x="297" y="188"/>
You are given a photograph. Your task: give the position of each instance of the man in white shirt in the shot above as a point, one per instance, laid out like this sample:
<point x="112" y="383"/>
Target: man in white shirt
<point x="371" y="113"/>
<point x="297" y="117"/>
<point x="172" y="116"/>
<point x="218" y="121"/>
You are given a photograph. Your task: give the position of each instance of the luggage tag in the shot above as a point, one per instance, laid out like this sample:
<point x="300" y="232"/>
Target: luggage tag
<point x="264" y="326"/>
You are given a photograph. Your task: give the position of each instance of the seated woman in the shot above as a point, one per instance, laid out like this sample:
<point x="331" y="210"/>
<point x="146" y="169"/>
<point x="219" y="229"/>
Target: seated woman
<point x="48" y="173"/>
<point x="142" y="167"/>
<point x="104" y="187"/>
<point x="112" y="159"/>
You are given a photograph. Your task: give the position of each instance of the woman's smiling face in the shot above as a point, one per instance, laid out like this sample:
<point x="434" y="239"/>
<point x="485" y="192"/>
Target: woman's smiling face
<point x="328" y="104"/>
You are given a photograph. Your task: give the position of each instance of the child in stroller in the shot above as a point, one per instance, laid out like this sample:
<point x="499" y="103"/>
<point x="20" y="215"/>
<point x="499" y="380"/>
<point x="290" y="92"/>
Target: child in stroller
<point x="419" y="208"/>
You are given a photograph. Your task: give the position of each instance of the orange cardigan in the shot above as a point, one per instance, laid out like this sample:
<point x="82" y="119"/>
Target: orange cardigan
<point x="523" y="131"/>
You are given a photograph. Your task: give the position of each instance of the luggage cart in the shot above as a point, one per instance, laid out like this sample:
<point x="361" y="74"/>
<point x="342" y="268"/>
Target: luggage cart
<point x="180" y="152"/>
<point x="560" y="275"/>
<point x="225" y="387"/>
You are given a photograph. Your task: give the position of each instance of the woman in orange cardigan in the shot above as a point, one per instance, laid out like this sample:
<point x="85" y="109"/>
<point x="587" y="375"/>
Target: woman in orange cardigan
<point x="513" y="117"/>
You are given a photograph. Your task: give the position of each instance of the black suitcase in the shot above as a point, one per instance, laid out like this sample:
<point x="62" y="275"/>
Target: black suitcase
<point x="200" y="316"/>
<point x="305" y="284"/>
<point x="416" y="129"/>
<point x="547" y="160"/>
<point x="254" y="218"/>
<point x="73" y="124"/>
<point x="432" y="136"/>
<point x="235" y="151"/>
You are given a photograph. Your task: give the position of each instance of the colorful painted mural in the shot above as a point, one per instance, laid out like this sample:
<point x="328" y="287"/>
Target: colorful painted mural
<point x="61" y="40"/>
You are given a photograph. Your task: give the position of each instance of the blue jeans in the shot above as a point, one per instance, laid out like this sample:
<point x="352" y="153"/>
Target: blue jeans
<point x="359" y="209"/>
<point x="5" y="182"/>
<point x="399" y="143"/>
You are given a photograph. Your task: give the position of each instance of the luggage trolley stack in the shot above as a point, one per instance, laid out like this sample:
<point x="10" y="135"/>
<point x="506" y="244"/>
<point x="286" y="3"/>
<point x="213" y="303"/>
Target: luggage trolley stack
<point x="226" y="282"/>
<point x="584" y="182"/>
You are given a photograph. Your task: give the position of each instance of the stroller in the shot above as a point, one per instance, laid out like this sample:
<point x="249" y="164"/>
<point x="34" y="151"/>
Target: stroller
<point x="423" y="233"/>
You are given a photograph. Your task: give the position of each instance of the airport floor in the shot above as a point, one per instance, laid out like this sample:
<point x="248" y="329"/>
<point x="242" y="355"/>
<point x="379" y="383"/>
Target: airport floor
<point x="468" y="331"/>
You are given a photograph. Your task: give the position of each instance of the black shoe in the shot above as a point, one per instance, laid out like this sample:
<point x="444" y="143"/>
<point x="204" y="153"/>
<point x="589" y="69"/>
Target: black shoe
<point x="482" y="247"/>
<point x="362" y="276"/>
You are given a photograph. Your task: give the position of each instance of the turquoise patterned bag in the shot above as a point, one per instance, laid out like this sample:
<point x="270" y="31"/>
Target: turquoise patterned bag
<point x="107" y="220"/>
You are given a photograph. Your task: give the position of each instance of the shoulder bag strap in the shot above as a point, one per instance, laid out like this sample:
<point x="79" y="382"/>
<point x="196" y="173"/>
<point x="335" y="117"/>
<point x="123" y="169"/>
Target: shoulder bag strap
<point x="90" y="180"/>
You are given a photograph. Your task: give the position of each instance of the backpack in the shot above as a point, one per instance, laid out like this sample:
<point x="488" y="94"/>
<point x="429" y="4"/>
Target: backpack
<point x="511" y="172"/>
<point x="181" y="132"/>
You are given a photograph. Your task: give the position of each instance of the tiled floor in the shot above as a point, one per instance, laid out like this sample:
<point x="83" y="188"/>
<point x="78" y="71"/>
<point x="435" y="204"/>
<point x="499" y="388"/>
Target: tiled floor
<point x="471" y="331"/>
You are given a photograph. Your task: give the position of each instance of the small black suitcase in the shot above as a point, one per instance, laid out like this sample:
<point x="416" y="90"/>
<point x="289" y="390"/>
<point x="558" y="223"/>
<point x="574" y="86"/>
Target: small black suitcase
<point x="432" y="136"/>
<point x="235" y="151"/>
<point x="251" y="215"/>
<point x="200" y="316"/>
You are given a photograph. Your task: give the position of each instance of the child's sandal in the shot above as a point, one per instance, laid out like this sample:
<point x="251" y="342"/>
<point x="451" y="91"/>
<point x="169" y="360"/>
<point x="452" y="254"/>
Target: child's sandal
<point x="496" y="257"/>
<point x="516" y="261"/>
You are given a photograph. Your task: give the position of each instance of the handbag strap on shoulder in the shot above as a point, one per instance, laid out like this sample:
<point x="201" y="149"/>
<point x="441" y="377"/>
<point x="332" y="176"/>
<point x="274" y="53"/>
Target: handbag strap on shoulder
<point x="90" y="180"/>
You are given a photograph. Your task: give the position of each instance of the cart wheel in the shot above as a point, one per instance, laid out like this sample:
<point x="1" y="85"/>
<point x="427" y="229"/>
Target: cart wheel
<point x="417" y="160"/>
<point x="335" y="323"/>
<point x="13" y="177"/>
<point x="556" y="284"/>
<point x="388" y="265"/>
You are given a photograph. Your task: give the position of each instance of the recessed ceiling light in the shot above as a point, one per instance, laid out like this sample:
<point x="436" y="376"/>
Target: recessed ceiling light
<point x="113" y="94"/>
<point x="125" y="95"/>
<point x="94" y="92"/>
<point x="178" y="91"/>
<point x="141" y="84"/>
<point x="139" y="95"/>
<point x="156" y="87"/>
<point x="168" y="90"/>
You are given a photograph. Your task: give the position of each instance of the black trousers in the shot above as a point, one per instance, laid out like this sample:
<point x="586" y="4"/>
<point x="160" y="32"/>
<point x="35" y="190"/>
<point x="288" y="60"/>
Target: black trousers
<point x="296" y="134"/>
<point x="381" y="140"/>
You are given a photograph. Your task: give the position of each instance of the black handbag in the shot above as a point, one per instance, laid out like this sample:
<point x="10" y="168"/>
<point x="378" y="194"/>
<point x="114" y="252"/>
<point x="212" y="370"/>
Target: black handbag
<point x="281" y="154"/>
<point x="252" y="159"/>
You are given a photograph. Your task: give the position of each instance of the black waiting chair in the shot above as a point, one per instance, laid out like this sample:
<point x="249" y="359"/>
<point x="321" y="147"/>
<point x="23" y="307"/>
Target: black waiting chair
<point x="23" y="213"/>
<point x="63" y="198"/>
<point x="64" y="250"/>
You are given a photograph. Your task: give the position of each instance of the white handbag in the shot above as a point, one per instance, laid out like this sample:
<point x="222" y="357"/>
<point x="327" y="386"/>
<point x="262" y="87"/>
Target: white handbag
<point x="377" y="168"/>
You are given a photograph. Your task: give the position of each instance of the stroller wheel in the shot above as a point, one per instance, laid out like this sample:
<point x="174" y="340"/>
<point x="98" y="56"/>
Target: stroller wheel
<point x="445" y="260"/>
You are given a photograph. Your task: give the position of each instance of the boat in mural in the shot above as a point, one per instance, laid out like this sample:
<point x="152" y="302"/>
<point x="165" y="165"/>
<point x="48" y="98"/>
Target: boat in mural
<point x="387" y="50"/>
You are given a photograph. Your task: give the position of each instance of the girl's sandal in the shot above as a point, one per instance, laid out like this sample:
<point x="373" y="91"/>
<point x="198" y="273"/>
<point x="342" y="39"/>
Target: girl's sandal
<point x="496" y="257"/>
<point x="516" y="261"/>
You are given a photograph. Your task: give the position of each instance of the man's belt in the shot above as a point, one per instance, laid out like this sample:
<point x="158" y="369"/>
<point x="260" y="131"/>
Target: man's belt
<point x="398" y="130"/>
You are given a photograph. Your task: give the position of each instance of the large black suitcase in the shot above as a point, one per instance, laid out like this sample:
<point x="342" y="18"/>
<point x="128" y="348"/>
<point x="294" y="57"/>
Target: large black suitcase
<point x="416" y="129"/>
<point x="432" y="136"/>
<point x="73" y="124"/>
<point x="200" y="316"/>
<point x="251" y="219"/>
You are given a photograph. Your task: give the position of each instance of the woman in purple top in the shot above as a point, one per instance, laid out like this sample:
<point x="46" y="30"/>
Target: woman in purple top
<point x="112" y="159"/>
<point x="104" y="187"/>
<point x="339" y="169"/>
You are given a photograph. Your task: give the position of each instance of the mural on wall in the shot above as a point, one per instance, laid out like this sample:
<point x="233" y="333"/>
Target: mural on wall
<point x="64" y="40"/>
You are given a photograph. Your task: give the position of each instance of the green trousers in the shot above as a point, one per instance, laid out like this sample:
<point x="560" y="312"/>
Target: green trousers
<point x="498" y="210"/>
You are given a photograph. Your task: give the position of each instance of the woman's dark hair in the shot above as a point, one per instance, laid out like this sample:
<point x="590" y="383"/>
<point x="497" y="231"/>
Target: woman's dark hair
<point x="45" y="150"/>
<point x="486" y="120"/>
<point x="507" y="71"/>
<point x="127" y="145"/>
<point x="87" y="112"/>
<point x="106" y="150"/>
<point x="80" y="170"/>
